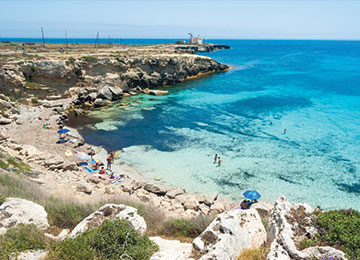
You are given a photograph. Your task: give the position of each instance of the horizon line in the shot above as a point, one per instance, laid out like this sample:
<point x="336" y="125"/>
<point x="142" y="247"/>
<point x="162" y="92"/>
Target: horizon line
<point x="171" y="38"/>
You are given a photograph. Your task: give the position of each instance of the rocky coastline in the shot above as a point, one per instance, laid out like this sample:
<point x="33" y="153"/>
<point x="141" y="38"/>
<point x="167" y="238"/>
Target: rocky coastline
<point x="52" y="87"/>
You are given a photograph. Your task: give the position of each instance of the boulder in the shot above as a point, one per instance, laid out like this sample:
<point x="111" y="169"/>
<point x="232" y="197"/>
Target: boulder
<point x="84" y="187"/>
<point x="210" y="198"/>
<point x="171" y="249"/>
<point x="191" y="203"/>
<point x="15" y="211"/>
<point x="55" y="160"/>
<point x="111" y="212"/>
<point x="173" y="192"/>
<point x="229" y="234"/>
<point x="105" y="93"/>
<point x="156" y="92"/>
<point x="156" y="188"/>
<point x="70" y="167"/>
<point x="101" y="102"/>
<point x="143" y="195"/>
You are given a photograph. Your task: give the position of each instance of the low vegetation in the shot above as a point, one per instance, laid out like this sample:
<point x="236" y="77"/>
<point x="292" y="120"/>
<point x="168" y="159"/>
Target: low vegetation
<point x="254" y="254"/>
<point x="70" y="61"/>
<point x="32" y="85"/>
<point x="19" y="239"/>
<point x="184" y="228"/>
<point x="112" y="240"/>
<point x="90" y="59"/>
<point x="34" y="100"/>
<point x="7" y="160"/>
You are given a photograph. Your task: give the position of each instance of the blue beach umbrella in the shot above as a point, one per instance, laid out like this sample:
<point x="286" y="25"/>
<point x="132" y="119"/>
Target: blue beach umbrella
<point x="252" y="195"/>
<point x="63" y="131"/>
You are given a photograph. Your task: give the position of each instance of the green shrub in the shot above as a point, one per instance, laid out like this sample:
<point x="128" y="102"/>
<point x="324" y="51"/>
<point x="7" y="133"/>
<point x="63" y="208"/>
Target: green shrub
<point x="70" y="61"/>
<point x="90" y="59"/>
<point x="341" y="229"/>
<point x="34" y="100"/>
<point x="32" y="68"/>
<point x="32" y="85"/>
<point x="308" y="243"/>
<point x="109" y="241"/>
<point x="19" y="239"/>
<point x="3" y="164"/>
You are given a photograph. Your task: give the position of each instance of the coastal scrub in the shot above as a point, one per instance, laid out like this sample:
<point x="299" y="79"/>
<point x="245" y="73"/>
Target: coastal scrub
<point x="111" y="240"/>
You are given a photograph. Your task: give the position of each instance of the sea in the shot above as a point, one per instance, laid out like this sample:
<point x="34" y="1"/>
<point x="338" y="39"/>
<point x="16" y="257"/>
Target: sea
<point x="309" y="88"/>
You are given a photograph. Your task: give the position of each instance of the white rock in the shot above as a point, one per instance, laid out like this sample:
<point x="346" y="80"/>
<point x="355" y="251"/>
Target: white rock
<point x="32" y="255"/>
<point x="171" y="249"/>
<point x="229" y="234"/>
<point x="15" y="211"/>
<point x="111" y="211"/>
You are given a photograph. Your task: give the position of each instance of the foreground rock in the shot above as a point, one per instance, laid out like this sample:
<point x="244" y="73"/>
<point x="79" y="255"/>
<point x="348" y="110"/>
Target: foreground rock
<point x="171" y="249"/>
<point x="229" y="234"/>
<point x="32" y="255"/>
<point x="15" y="211"/>
<point x="284" y="222"/>
<point x="111" y="212"/>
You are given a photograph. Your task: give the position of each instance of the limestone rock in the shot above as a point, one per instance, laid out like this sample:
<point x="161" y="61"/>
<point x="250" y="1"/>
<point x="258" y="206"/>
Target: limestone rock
<point x="173" y="192"/>
<point x="229" y="234"/>
<point x="3" y="135"/>
<point x="281" y="233"/>
<point x="209" y="199"/>
<point x="84" y="187"/>
<point x="15" y="211"/>
<point x="70" y="167"/>
<point x="32" y="255"/>
<point x="155" y="188"/>
<point x="101" y="102"/>
<point x="157" y="92"/>
<point x="5" y="121"/>
<point x="111" y="212"/>
<point x="143" y="195"/>
<point x="171" y="249"/>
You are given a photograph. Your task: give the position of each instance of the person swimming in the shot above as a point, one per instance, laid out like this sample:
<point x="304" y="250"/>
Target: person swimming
<point x="271" y="122"/>
<point x="284" y="131"/>
<point x="215" y="158"/>
<point x="219" y="162"/>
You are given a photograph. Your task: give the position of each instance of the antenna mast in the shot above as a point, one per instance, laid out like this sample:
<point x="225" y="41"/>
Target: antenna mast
<point x="42" y="33"/>
<point x="66" y="38"/>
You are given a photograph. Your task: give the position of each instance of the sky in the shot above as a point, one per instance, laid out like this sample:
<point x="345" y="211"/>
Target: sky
<point x="212" y="19"/>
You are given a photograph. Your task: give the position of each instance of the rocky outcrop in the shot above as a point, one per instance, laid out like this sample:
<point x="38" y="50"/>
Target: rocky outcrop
<point x="15" y="211"/>
<point x="289" y="224"/>
<point x="111" y="212"/>
<point x="229" y="234"/>
<point x="32" y="255"/>
<point x="100" y="80"/>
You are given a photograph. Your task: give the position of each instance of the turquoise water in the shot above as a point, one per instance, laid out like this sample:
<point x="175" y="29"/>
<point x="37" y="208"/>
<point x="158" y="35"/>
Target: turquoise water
<point x="310" y="88"/>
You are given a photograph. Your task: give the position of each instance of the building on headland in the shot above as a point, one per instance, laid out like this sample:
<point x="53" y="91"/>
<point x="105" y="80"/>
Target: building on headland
<point x="195" y="40"/>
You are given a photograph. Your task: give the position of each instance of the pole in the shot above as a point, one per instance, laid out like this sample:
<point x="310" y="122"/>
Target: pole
<point x="97" y="39"/>
<point x="42" y="33"/>
<point x="66" y="38"/>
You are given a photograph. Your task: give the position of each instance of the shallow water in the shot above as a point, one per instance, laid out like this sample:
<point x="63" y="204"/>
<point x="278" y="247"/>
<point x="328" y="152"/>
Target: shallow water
<point x="310" y="88"/>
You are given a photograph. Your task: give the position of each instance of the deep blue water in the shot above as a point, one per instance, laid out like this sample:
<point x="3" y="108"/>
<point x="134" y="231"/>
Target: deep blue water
<point x="310" y="88"/>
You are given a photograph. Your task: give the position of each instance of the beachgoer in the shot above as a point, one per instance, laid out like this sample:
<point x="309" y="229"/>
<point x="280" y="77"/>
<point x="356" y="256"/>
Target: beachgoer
<point x="102" y="171"/>
<point x="92" y="152"/>
<point x="112" y="154"/>
<point x="97" y="166"/>
<point x="284" y="131"/>
<point x="244" y="204"/>
<point x="234" y="139"/>
<point x="112" y="175"/>
<point x="109" y="162"/>
<point x="215" y="158"/>
<point x="219" y="162"/>
<point x="271" y="122"/>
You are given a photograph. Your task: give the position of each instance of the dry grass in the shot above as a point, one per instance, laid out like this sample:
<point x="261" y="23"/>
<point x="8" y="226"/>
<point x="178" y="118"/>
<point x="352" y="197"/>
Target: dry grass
<point x="254" y="253"/>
